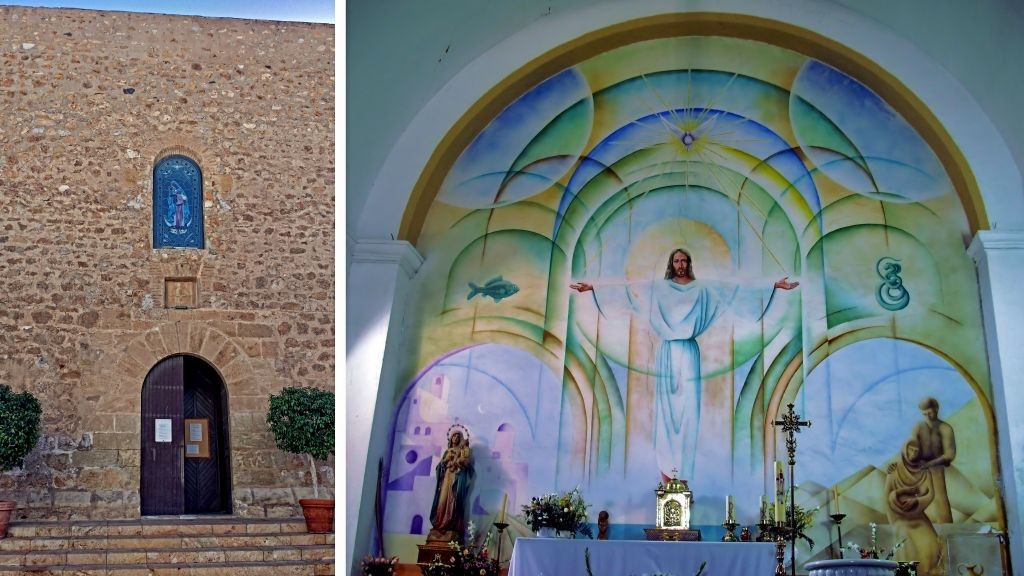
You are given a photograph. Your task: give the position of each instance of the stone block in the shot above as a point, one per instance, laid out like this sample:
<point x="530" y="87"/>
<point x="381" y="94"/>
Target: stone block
<point x="127" y="423"/>
<point x="94" y="458"/>
<point x="271" y="496"/>
<point x="103" y="478"/>
<point x="246" y="330"/>
<point x="94" y="422"/>
<point x="59" y="461"/>
<point x="116" y="441"/>
<point x="108" y="497"/>
<point x="72" y="498"/>
<point x="128" y="459"/>
<point x="282" y="511"/>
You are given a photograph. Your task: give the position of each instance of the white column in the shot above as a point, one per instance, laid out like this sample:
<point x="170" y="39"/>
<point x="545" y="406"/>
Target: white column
<point x="378" y="277"/>
<point x="1000" y="260"/>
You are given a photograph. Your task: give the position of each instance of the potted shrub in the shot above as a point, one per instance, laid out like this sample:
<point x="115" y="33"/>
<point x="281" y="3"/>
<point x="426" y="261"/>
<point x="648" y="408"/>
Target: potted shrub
<point x="19" y="432"/>
<point x="302" y="421"/>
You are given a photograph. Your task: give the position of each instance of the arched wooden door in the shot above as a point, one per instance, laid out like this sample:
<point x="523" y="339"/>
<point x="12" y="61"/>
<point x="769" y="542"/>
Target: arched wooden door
<point x="184" y="460"/>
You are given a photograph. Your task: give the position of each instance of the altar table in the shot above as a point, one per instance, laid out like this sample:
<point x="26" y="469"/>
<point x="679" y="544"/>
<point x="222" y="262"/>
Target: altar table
<point x="565" y="557"/>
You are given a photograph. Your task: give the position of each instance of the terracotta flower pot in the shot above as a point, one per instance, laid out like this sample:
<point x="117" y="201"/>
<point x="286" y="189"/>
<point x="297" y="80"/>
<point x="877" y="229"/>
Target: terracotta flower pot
<point x="319" y="515"/>
<point x="6" y="509"/>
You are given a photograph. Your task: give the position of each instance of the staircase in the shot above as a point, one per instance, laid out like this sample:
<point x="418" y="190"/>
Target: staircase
<point x="182" y="546"/>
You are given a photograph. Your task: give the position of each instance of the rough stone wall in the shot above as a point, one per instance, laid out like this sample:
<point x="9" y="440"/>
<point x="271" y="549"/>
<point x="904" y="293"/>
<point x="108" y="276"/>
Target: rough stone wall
<point x="89" y="101"/>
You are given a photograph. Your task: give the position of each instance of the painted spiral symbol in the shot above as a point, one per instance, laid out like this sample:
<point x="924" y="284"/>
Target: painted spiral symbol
<point x="891" y="294"/>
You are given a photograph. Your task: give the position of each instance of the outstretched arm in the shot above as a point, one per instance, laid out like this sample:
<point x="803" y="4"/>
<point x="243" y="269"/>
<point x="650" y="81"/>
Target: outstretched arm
<point x="948" y="447"/>
<point x="785" y="284"/>
<point x="582" y="287"/>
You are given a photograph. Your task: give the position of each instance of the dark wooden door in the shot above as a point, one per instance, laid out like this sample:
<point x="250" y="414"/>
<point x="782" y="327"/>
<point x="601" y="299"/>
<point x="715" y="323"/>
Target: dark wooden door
<point x="205" y="477"/>
<point x="160" y="483"/>
<point x="177" y="388"/>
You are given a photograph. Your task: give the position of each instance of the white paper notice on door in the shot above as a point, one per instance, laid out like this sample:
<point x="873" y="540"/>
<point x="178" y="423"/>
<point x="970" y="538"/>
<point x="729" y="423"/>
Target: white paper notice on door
<point x="195" y="432"/>
<point x="163" y="430"/>
<point x="192" y="449"/>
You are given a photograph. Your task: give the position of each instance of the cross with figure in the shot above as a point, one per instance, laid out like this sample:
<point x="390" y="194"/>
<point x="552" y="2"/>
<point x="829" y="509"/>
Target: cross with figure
<point x="791" y="425"/>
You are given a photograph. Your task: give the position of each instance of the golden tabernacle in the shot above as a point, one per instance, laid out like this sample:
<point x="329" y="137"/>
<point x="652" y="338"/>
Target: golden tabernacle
<point x="672" y="518"/>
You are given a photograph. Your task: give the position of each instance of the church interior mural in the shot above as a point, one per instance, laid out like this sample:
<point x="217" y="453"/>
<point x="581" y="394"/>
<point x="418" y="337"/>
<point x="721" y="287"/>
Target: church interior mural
<point x="824" y="266"/>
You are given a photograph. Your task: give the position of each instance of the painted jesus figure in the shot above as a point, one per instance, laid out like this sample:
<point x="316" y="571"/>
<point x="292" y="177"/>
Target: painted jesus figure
<point x="680" y="308"/>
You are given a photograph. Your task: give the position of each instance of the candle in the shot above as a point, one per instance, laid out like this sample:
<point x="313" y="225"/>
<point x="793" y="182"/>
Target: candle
<point x="780" y="492"/>
<point x="764" y="510"/>
<point x="504" y="500"/>
<point x="729" y="509"/>
<point x="835" y="498"/>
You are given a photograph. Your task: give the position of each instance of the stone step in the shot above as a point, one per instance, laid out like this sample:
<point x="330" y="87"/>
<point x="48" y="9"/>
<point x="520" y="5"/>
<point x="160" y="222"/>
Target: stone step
<point x="157" y="526"/>
<point x="53" y="558"/>
<point x="183" y="546"/>
<point x="21" y="544"/>
<point x="324" y="567"/>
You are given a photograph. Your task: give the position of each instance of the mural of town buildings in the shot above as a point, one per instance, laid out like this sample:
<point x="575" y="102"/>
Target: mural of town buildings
<point x="825" y="267"/>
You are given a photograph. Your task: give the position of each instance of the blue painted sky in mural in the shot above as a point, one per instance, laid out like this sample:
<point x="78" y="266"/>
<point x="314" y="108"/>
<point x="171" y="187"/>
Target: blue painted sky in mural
<point x="293" y="10"/>
<point x="483" y="169"/>
<point x="900" y="162"/>
<point x="863" y="412"/>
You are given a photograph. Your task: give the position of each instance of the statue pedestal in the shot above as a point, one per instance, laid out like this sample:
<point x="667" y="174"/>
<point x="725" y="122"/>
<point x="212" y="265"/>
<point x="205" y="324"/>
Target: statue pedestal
<point x="672" y="534"/>
<point x="435" y="549"/>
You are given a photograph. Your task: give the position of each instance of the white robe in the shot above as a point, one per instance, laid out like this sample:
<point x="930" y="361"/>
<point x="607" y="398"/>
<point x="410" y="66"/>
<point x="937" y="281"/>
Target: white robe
<point x="678" y="314"/>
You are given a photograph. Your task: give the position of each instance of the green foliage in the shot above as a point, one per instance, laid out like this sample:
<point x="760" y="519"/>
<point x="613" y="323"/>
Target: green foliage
<point x="302" y="421"/>
<point x="804" y="521"/>
<point x="19" y="427"/>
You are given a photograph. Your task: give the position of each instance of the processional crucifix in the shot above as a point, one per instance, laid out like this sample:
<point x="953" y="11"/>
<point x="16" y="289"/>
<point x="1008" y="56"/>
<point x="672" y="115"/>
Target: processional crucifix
<point x="791" y="425"/>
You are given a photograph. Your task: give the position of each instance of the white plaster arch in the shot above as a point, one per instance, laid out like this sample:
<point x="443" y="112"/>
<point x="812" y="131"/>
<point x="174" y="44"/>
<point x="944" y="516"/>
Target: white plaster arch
<point x="994" y="169"/>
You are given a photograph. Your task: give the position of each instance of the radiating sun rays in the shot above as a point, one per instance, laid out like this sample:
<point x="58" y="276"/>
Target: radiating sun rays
<point x="682" y="133"/>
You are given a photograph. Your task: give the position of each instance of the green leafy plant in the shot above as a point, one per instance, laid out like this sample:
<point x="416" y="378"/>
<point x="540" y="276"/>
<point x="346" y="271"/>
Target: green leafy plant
<point x="19" y="426"/>
<point x="804" y="520"/>
<point x="302" y="421"/>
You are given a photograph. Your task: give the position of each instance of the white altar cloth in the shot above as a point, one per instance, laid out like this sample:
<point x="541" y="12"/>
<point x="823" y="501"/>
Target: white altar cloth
<point x="562" y="557"/>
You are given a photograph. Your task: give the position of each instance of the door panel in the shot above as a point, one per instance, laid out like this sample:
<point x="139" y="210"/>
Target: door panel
<point x="177" y="388"/>
<point x="203" y="475"/>
<point x="160" y="482"/>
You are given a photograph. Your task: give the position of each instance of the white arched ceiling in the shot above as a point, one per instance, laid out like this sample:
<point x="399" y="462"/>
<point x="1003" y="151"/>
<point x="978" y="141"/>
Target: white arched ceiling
<point x="989" y="159"/>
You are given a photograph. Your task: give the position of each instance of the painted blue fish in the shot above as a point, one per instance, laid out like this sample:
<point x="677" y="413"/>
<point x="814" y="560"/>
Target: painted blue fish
<point x="496" y="288"/>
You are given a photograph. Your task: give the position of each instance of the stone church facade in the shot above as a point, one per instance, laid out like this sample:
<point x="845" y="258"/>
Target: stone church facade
<point x="92" y="102"/>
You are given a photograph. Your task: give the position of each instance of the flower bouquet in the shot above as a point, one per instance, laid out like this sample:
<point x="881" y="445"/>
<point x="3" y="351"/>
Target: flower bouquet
<point x="565" y="513"/>
<point x="872" y="551"/>
<point x="380" y="566"/>
<point x="471" y="558"/>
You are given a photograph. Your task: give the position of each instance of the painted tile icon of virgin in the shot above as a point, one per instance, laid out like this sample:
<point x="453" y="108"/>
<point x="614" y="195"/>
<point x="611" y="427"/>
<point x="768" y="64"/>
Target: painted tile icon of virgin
<point x="177" y="216"/>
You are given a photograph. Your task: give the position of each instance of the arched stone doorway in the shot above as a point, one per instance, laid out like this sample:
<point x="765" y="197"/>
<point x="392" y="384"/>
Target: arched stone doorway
<point x="185" y="451"/>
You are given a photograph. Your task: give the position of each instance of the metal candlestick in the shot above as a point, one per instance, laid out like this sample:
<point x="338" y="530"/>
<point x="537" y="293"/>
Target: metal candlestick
<point x="730" y="528"/>
<point x="779" y="533"/>
<point x="791" y="425"/>
<point x="497" y="556"/>
<point x="838" y="518"/>
<point x="764" y="533"/>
